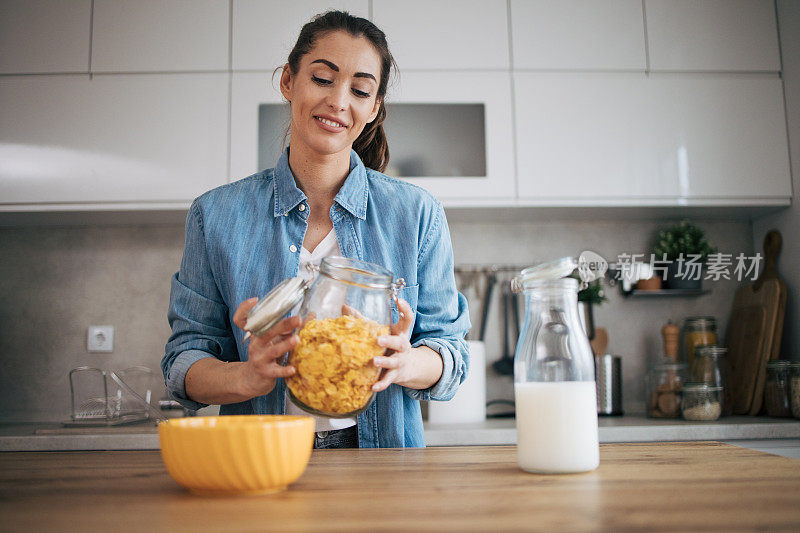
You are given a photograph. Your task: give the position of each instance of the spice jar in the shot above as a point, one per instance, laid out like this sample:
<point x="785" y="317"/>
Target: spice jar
<point x="795" y="388"/>
<point x="698" y="331"/>
<point x="663" y="387"/>
<point x="343" y="312"/>
<point x="701" y="401"/>
<point x="711" y="366"/>
<point x="776" y="390"/>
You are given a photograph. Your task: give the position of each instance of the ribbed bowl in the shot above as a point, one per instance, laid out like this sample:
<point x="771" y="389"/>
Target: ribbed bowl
<point x="248" y="454"/>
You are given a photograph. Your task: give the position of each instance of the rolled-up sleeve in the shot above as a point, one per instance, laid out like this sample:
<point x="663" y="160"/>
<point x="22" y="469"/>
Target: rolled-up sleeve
<point x="442" y="319"/>
<point x="197" y="314"/>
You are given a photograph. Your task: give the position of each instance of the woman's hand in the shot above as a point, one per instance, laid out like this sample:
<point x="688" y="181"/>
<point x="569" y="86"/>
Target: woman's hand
<point x="263" y="365"/>
<point x="415" y="368"/>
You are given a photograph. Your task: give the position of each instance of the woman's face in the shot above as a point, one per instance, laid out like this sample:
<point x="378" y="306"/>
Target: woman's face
<point x="333" y="94"/>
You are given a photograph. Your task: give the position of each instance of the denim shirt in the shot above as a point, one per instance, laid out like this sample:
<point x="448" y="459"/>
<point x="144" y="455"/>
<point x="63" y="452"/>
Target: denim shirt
<point x="244" y="238"/>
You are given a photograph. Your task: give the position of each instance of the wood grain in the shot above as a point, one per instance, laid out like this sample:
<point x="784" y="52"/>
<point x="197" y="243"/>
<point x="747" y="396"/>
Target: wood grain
<point x="658" y="487"/>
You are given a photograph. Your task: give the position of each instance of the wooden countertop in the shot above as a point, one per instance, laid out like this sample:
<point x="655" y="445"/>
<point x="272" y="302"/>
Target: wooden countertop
<point x="662" y="486"/>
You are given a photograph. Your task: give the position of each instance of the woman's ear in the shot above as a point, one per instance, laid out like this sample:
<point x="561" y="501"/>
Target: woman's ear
<point x="286" y="82"/>
<point x="375" y="109"/>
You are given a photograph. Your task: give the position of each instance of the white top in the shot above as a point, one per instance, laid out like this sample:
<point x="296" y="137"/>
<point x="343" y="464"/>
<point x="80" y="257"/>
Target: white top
<point x="327" y="247"/>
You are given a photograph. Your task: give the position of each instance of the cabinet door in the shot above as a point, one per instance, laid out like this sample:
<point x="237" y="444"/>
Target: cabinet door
<point x="578" y="34"/>
<point x="159" y="35"/>
<point x="440" y="34"/>
<point x="38" y="36"/>
<point x="586" y="139"/>
<point x="722" y="137"/>
<point x="490" y="91"/>
<point x="712" y="35"/>
<point x="127" y="138"/>
<point x="264" y="31"/>
<point x="670" y="139"/>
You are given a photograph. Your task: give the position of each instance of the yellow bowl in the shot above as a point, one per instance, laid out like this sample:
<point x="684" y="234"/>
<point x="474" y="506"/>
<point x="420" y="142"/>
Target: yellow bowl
<point x="247" y="454"/>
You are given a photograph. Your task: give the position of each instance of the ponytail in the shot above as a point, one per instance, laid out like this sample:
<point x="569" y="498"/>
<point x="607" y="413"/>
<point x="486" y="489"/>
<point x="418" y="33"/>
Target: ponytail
<point x="372" y="146"/>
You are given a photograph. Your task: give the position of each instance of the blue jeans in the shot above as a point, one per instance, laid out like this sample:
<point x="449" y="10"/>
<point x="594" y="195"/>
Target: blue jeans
<point x="339" y="438"/>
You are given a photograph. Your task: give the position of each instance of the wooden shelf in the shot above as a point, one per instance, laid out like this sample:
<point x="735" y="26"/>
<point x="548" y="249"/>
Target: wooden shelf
<point x="666" y="292"/>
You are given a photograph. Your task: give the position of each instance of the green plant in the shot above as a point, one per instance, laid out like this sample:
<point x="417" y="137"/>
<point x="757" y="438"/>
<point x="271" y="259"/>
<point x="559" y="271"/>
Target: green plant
<point x="682" y="238"/>
<point x="593" y="293"/>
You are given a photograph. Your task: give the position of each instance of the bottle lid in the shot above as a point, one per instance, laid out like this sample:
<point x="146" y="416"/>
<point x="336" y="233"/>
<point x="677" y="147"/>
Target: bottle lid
<point x="271" y="308"/>
<point x="780" y="363"/>
<point x="709" y="350"/>
<point x="699" y="386"/>
<point x="590" y="266"/>
<point x="699" y="323"/>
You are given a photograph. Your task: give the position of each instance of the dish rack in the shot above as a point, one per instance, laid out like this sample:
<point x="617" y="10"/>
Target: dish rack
<point x="92" y="405"/>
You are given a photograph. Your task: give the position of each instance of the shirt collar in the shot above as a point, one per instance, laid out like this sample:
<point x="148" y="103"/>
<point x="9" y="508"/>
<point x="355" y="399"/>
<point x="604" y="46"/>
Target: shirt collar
<point x="352" y="196"/>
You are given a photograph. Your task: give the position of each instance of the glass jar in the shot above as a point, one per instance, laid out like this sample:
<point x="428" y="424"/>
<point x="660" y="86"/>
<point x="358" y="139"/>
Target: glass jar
<point x="777" y="389"/>
<point x="711" y="366"/>
<point x="554" y="386"/>
<point x="795" y="388"/>
<point x="664" y="385"/>
<point x="698" y="331"/>
<point x="343" y="311"/>
<point x="701" y="401"/>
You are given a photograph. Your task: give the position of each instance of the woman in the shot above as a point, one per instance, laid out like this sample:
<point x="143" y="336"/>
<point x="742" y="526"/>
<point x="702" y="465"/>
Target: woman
<point x="322" y="198"/>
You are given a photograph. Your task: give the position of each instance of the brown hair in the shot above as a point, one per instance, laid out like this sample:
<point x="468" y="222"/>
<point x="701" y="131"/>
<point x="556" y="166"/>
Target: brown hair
<point x="371" y="145"/>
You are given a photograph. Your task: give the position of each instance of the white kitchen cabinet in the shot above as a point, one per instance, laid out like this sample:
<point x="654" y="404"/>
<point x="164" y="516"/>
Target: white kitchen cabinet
<point x="129" y="139"/>
<point x="630" y="139"/>
<point x="712" y="35"/>
<point x="40" y="36"/>
<point x="586" y="138"/>
<point x="578" y="34"/>
<point x="159" y="35"/>
<point x="441" y="34"/>
<point x="722" y="137"/>
<point x="264" y="31"/>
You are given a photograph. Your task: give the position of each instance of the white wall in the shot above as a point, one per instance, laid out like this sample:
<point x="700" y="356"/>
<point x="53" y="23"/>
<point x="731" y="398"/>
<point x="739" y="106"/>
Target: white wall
<point x="788" y="221"/>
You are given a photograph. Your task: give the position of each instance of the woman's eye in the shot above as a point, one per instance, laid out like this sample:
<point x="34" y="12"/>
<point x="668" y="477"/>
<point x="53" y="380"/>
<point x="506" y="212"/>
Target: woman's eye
<point x="362" y="94"/>
<point x="321" y="81"/>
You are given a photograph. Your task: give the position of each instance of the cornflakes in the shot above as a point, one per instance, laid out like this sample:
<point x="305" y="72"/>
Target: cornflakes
<point x="333" y="363"/>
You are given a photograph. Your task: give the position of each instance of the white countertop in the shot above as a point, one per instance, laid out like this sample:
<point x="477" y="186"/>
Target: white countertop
<point x="29" y="437"/>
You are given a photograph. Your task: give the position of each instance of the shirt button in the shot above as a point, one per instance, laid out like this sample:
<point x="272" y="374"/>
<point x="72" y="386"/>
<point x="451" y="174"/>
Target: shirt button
<point x="293" y="248"/>
<point x="302" y="207"/>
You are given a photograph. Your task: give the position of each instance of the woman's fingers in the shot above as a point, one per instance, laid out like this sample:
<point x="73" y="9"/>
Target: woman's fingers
<point x="381" y="361"/>
<point x="387" y="379"/>
<point x="394" y="342"/>
<point x="240" y="316"/>
<point x="352" y="311"/>
<point x="406" y="318"/>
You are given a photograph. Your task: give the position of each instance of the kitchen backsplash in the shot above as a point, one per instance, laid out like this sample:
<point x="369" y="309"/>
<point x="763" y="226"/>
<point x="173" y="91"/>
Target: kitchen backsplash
<point x="56" y="281"/>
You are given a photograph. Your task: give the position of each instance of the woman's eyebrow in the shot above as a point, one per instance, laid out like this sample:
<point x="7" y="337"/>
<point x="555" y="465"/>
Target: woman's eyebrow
<point x="335" y="68"/>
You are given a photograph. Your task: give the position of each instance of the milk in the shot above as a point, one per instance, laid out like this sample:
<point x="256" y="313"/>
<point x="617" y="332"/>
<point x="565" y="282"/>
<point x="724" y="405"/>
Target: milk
<point x="557" y="426"/>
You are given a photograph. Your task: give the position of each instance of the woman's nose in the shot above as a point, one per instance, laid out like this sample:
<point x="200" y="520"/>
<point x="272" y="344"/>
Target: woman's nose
<point x="337" y="98"/>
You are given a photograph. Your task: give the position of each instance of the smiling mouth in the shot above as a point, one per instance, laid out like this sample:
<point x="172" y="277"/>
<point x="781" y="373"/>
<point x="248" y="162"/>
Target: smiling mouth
<point x="331" y="123"/>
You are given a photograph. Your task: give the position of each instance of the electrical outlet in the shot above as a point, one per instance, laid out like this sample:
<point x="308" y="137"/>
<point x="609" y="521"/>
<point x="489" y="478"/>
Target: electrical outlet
<point x="100" y="339"/>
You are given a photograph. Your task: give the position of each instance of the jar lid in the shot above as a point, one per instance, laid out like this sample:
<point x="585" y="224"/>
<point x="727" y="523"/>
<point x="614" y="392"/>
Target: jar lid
<point x="673" y="366"/>
<point x="780" y="363"/>
<point x="701" y="322"/>
<point x="357" y="272"/>
<point x="699" y="386"/>
<point x="710" y="350"/>
<point x="271" y="308"/>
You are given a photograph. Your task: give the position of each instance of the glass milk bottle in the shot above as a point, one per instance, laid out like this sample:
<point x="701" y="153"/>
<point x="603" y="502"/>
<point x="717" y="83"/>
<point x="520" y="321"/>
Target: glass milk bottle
<point x="554" y="384"/>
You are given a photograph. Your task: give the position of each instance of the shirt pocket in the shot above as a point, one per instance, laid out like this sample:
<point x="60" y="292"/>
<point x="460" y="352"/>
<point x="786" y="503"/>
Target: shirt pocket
<point x="410" y="294"/>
